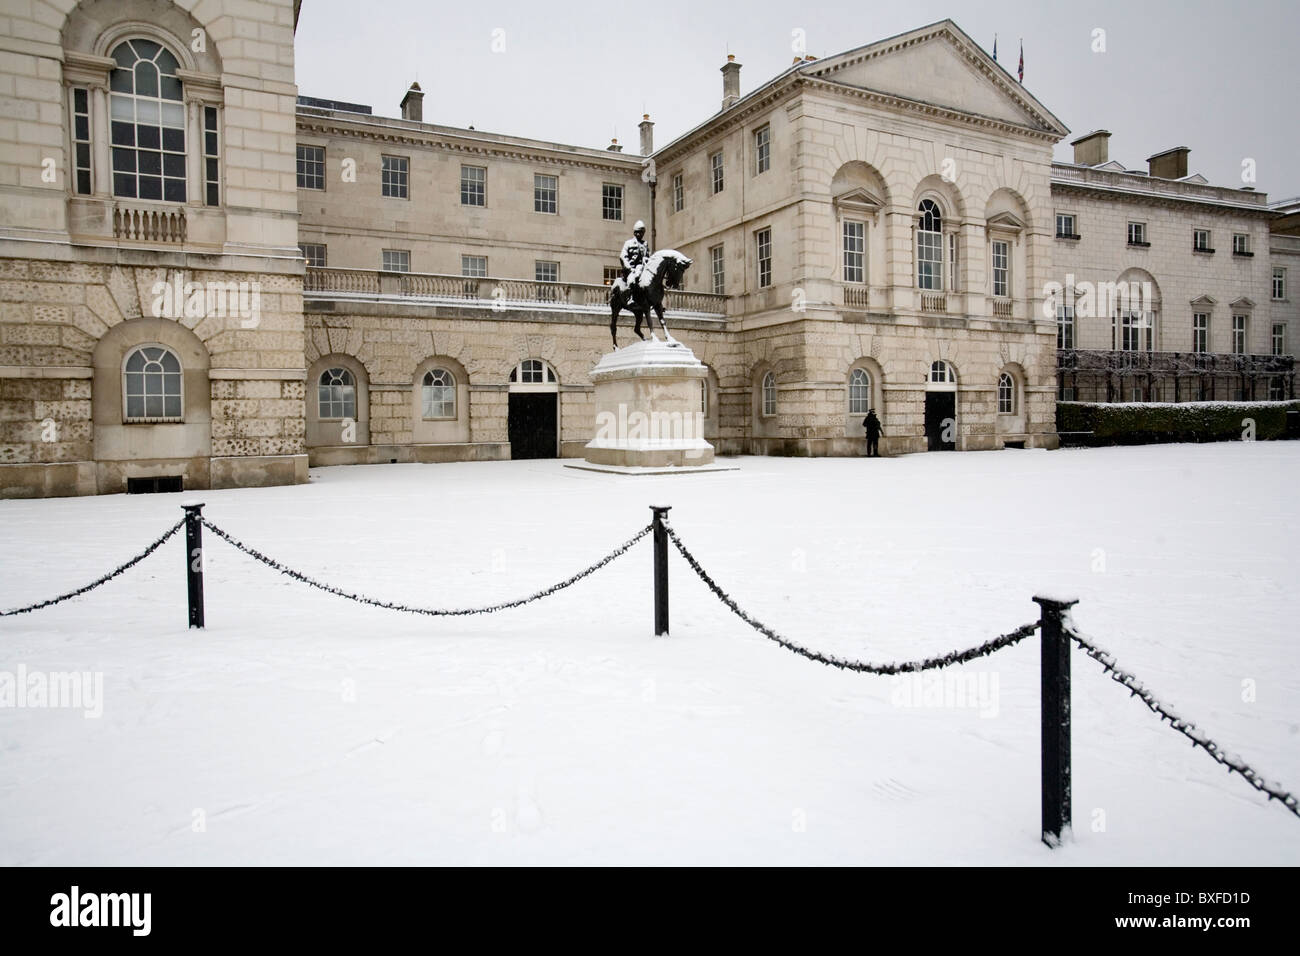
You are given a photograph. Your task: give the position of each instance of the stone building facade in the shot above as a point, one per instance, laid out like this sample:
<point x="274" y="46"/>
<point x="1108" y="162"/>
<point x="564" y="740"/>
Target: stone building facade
<point x="209" y="281"/>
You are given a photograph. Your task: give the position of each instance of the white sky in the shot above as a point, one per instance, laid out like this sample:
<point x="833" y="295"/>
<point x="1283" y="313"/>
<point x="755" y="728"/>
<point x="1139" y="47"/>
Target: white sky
<point x="1217" y="77"/>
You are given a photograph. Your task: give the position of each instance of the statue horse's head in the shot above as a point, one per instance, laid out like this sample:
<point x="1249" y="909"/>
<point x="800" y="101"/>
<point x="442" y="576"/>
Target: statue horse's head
<point x="671" y="266"/>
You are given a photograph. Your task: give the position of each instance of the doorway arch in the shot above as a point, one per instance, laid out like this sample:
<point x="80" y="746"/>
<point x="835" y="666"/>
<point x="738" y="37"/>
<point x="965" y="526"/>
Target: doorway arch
<point x="533" y="425"/>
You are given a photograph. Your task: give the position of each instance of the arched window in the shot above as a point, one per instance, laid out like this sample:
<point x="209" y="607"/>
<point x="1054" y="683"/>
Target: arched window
<point x="859" y="392"/>
<point x="439" y="396"/>
<point x="337" y="394"/>
<point x="929" y="247"/>
<point x="1006" y="394"/>
<point x="532" y="372"/>
<point x="151" y="386"/>
<point x="769" y="394"/>
<point x="148" y="123"/>
<point x="941" y="372"/>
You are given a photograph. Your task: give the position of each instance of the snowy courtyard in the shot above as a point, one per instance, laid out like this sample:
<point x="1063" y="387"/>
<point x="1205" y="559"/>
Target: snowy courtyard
<point x="300" y="727"/>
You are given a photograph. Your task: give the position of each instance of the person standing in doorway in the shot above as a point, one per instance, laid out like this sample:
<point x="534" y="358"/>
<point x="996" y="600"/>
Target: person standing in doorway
<point x="874" y="430"/>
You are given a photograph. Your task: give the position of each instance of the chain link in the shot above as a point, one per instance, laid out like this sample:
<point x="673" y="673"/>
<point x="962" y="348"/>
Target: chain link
<point x="103" y="580"/>
<point x="1184" y="727"/>
<point x="929" y="663"/>
<point x="432" y="612"/>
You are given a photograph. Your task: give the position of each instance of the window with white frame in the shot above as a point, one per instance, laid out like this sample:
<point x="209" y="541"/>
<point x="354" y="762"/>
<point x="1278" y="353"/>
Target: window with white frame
<point x="1006" y="394"/>
<point x="1279" y="338"/>
<point x="546" y="271"/>
<point x="1279" y="285"/>
<point x="941" y="373"/>
<point x="1065" y="326"/>
<point x="855" y="251"/>
<point x="394" y="177"/>
<point x="311" y="167"/>
<point x="81" y="140"/>
<point x="1200" y="332"/>
<point x="929" y="247"/>
<point x="314" y="253"/>
<point x="473" y="185"/>
<point x="336" y="395"/>
<point x="152" y="385"/>
<point x="396" y="260"/>
<point x="438" y="394"/>
<point x="859" y="391"/>
<point x="473" y="267"/>
<point x="1240" y="244"/>
<point x="1137" y="234"/>
<point x="532" y="372"/>
<point x="211" y="158"/>
<point x="679" y="193"/>
<point x="147" y="112"/>
<point x="610" y="274"/>
<point x="1001" y="268"/>
<point x="718" y="269"/>
<point x="769" y="394"/>
<point x="1201" y="240"/>
<point x="717" y="172"/>
<point x="546" y="193"/>
<point x="1276" y="389"/>
<point x="763" y="244"/>
<point x="1239" y="340"/>
<point x="1065" y="226"/>
<point x="611" y="202"/>
<point x="762" y="149"/>
<point x="1132" y="330"/>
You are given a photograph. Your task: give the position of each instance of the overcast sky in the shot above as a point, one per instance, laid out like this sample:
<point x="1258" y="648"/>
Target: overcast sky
<point x="1218" y="77"/>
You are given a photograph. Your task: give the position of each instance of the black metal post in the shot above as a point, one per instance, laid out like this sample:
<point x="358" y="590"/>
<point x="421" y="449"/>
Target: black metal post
<point x="1055" y="719"/>
<point x="194" y="561"/>
<point x="661" y="569"/>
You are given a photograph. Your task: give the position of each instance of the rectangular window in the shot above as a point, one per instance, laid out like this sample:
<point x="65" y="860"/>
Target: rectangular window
<point x="611" y="274"/>
<point x="1240" y="244"/>
<point x="855" y="251"/>
<point x="546" y="271"/>
<point x="1200" y="331"/>
<point x="394" y="177"/>
<point x="1279" y="338"/>
<point x="953" y="273"/>
<point x="473" y="185"/>
<point x="716" y="171"/>
<point x="546" y="193"/>
<point x="397" y="260"/>
<point x="763" y="241"/>
<point x="1201" y="240"/>
<point x="314" y="253"/>
<point x="762" y="149"/>
<point x="1001" y="268"/>
<point x="611" y="202"/>
<point x="679" y="194"/>
<point x="149" y="146"/>
<point x="718" y="269"/>
<point x="81" y="139"/>
<point x="929" y="260"/>
<point x="1065" y="226"/>
<point x="1134" y="331"/>
<point x="311" y="167"/>
<point x="211" y="178"/>
<point x="473" y="267"/>
<point x="1279" y="284"/>
<point x="1239" y="334"/>
<point x="1137" y="234"/>
<point x="1065" y="326"/>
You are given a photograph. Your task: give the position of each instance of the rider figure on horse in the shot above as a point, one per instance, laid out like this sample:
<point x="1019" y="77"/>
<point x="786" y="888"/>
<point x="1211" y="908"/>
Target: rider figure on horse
<point x="634" y="255"/>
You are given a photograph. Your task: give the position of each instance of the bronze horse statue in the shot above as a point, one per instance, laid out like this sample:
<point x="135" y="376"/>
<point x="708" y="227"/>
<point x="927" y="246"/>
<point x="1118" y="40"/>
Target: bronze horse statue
<point x="663" y="270"/>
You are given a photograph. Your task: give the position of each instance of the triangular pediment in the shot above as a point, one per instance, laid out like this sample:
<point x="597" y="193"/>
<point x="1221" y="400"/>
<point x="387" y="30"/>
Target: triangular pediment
<point x="1242" y="303"/>
<point x="1204" y="302"/>
<point x="938" y="65"/>
<point x="1006" y="220"/>
<point x="860" y="201"/>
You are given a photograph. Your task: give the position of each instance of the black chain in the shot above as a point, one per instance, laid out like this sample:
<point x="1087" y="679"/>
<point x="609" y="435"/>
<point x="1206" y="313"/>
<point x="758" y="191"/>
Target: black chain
<point x="103" y="580"/>
<point x="1184" y="727"/>
<point x="432" y="612"/>
<point x="929" y="663"/>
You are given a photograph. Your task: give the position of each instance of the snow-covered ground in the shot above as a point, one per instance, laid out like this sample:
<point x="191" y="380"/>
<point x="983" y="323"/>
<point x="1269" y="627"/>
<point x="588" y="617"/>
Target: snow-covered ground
<point x="302" y="728"/>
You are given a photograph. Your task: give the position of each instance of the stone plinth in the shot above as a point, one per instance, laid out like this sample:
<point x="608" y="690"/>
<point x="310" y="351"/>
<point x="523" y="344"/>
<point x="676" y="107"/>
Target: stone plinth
<point x="649" y="408"/>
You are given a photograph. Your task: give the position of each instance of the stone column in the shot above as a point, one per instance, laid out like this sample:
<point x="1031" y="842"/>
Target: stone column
<point x="101" y="133"/>
<point x="194" y="152"/>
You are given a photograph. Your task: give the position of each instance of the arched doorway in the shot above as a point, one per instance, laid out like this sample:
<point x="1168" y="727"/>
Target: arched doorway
<point x="941" y="407"/>
<point x="534" y="423"/>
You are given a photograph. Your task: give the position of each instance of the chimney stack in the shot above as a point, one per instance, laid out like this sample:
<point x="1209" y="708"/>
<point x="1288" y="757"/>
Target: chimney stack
<point x="647" y="135"/>
<point x="1092" y="149"/>
<point x="730" y="81"/>
<point x="613" y="146"/>
<point x="1170" y="164"/>
<point x="413" y="104"/>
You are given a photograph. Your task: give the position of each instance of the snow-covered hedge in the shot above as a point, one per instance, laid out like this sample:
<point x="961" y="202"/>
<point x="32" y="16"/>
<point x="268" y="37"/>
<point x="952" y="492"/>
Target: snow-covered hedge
<point x="1142" y="423"/>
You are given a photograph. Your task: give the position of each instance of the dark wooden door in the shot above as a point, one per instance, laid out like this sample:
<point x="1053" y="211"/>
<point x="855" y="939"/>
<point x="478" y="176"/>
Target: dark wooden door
<point x="534" y="425"/>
